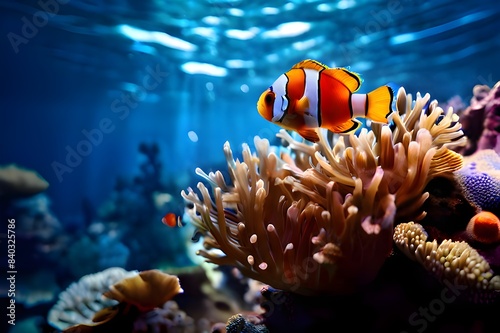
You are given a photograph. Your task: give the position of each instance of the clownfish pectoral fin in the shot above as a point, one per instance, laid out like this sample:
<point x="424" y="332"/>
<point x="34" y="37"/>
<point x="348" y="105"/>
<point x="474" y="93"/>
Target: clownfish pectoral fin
<point x="309" y="134"/>
<point x="379" y="102"/>
<point x="350" y="79"/>
<point x="310" y="64"/>
<point x="302" y="106"/>
<point x="348" y="127"/>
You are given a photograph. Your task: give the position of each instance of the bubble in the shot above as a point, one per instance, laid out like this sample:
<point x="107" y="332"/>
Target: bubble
<point x="193" y="136"/>
<point x="244" y="88"/>
<point x="209" y="86"/>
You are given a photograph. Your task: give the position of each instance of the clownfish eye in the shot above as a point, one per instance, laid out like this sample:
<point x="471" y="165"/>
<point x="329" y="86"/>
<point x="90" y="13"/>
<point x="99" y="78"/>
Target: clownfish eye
<point x="269" y="98"/>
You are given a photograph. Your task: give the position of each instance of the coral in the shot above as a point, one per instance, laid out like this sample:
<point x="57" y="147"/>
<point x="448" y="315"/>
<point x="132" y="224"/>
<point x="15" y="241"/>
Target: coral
<point x="481" y="120"/>
<point x="167" y="318"/>
<point x="448" y="210"/>
<point x="452" y="261"/>
<point x="147" y="290"/>
<point x="130" y="218"/>
<point x="92" y="254"/>
<point x="78" y="303"/>
<point x="276" y="253"/>
<point x="240" y="324"/>
<point x="141" y="298"/>
<point x="36" y="222"/>
<point x="484" y="227"/>
<point x="480" y="179"/>
<point x="320" y="218"/>
<point x="16" y="181"/>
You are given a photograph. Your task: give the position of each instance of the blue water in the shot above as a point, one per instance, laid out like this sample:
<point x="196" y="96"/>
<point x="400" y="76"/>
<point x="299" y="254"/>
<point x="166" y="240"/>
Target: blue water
<point x="97" y="78"/>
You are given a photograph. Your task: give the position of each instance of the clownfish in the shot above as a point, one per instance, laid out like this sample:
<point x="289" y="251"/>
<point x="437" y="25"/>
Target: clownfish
<point x="311" y="95"/>
<point x="172" y="220"/>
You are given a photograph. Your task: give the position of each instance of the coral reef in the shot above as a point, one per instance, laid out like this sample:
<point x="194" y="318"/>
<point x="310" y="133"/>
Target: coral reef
<point x="456" y="262"/>
<point x="166" y="318"/>
<point x="136" y="295"/>
<point x="147" y="290"/>
<point x="480" y="179"/>
<point x="320" y="218"/>
<point x="239" y="324"/>
<point x="481" y="120"/>
<point x="130" y="218"/>
<point x="95" y="254"/>
<point x="82" y="299"/>
<point x="131" y="301"/>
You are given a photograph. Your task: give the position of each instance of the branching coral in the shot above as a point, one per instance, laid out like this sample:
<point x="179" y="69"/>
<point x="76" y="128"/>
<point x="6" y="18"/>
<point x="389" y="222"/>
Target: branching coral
<point x="455" y="262"/>
<point x="320" y="219"/>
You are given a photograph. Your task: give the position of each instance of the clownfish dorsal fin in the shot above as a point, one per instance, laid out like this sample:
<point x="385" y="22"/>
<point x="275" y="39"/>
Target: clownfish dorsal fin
<point x="350" y="79"/>
<point x="310" y="64"/>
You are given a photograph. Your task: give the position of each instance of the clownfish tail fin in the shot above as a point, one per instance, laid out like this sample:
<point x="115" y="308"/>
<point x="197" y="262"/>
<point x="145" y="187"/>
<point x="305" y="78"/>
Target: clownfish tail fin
<point x="379" y="104"/>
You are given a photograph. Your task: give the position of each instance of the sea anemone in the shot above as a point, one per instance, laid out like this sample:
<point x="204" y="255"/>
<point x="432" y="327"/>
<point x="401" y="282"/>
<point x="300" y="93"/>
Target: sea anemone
<point x="320" y="218"/>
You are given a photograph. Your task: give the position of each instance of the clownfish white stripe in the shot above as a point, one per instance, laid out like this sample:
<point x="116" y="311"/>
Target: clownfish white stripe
<point x="311" y="90"/>
<point x="359" y="105"/>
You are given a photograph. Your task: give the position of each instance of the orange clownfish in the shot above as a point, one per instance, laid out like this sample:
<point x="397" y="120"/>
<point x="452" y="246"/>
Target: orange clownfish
<point x="311" y="95"/>
<point x="171" y="220"/>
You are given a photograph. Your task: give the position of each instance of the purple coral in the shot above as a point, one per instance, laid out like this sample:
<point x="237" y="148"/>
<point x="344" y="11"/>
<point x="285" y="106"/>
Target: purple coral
<point x="481" y="120"/>
<point x="480" y="179"/>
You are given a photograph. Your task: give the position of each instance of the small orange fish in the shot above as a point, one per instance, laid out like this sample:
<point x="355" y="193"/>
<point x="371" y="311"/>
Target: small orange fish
<point x="312" y="95"/>
<point x="171" y="220"/>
